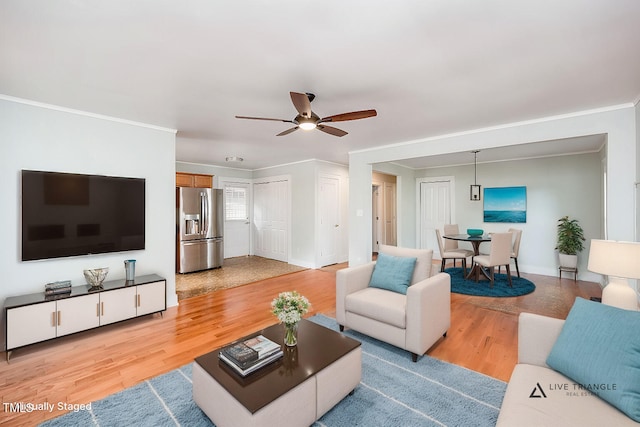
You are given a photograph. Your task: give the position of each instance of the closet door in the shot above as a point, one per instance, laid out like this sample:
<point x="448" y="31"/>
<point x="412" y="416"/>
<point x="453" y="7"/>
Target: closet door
<point x="435" y="211"/>
<point x="271" y="219"/>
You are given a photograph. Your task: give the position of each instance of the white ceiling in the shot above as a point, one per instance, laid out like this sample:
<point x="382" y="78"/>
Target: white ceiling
<point x="429" y="67"/>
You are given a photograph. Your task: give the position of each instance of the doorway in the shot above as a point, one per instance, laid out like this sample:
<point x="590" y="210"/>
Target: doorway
<point x="384" y="211"/>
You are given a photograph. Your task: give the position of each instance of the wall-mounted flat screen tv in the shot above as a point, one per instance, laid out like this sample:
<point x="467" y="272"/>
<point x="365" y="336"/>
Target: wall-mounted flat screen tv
<point x="66" y="214"/>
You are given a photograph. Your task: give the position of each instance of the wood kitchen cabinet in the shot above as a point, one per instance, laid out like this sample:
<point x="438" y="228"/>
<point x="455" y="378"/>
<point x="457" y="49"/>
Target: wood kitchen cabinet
<point x="184" y="179"/>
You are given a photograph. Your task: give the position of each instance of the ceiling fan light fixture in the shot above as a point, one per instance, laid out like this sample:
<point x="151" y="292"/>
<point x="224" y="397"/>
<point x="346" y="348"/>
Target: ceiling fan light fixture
<point x="307" y="124"/>
<point x="308" y="120"/>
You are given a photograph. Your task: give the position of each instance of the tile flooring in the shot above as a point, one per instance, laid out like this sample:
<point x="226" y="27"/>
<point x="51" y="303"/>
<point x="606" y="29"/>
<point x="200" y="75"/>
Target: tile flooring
<point x="234" y="272"/>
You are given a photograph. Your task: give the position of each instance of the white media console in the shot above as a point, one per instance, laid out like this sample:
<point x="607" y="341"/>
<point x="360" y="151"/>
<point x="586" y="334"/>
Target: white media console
<point x="35" y="317"/>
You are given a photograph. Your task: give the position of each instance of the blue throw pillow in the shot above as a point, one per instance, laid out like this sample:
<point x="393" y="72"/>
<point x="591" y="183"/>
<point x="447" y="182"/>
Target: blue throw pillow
<point x="392" y="273"/>
<point x="599" y="347"/>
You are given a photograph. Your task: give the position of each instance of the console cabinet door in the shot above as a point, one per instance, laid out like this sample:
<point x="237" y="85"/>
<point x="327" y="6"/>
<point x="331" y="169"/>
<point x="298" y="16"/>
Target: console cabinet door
<point x="151" y="298"/>
<point x="30" y="324"/>
<point x="78" y="314"/>
<point x="117" y="305"/>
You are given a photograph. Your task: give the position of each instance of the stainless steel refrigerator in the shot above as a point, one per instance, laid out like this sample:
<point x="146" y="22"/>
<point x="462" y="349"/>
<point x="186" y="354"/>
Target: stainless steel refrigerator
<point x="199" y="231"/>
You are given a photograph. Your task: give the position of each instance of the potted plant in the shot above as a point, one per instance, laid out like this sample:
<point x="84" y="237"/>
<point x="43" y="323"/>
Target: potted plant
<point x="570" y="238"/>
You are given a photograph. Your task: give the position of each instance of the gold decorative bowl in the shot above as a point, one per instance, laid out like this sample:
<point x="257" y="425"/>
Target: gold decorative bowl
<point x="96" y="276"/>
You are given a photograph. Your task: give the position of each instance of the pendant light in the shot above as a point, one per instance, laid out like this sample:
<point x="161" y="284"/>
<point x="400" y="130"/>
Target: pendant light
<point x="474" y="190"/>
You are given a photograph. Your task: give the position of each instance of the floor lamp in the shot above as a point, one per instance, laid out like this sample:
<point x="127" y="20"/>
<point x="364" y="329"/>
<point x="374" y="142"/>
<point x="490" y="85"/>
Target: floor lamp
<point x="620" y="261"/>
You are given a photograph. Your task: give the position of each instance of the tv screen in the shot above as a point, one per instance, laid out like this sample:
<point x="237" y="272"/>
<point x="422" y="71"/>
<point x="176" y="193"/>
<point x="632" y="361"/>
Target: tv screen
<point x="66" y="214"/>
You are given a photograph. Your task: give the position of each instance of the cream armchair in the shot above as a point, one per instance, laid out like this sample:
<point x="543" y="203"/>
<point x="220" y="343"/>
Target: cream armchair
<point x="414" y="321"/>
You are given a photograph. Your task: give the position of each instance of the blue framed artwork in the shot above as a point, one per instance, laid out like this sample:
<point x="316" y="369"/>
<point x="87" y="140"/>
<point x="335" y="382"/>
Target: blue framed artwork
<point x="505" y="204"/>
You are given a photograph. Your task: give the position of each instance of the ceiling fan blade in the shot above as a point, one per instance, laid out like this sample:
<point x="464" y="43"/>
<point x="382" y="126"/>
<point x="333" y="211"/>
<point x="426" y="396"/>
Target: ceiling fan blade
<point x="354" y="115"/>
<point x="288" y="131"/>
<point x="302" y="103"/>
<point x="264" y="118"/>
<point x="331" y="130"/>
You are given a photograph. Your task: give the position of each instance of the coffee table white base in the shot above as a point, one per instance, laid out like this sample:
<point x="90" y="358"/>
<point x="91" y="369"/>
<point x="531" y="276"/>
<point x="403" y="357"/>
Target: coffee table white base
<point x="301" y="405"/>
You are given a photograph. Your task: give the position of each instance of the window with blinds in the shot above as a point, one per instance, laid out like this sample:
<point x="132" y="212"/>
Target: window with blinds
<point x="235" y="203"/>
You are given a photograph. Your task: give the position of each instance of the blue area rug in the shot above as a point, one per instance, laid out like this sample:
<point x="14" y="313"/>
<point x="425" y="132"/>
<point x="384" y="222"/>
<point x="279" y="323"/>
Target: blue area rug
<point x="394" y="391"/>
<point x="501" y="288"/>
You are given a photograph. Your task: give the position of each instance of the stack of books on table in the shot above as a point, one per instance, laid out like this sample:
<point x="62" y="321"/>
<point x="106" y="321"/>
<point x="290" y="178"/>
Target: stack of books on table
<point x="251" y="354"/>
<point x="58" y="288"/>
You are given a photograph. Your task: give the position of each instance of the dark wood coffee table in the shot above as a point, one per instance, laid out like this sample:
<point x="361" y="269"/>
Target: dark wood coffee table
<point x="310" y="379"/>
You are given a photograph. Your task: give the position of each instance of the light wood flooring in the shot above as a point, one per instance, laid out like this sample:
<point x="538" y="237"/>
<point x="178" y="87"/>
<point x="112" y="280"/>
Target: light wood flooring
<point x="91" y="365"/>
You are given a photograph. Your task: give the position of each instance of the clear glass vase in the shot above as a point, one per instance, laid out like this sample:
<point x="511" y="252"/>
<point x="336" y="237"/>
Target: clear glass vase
<point x="290" y="334"/>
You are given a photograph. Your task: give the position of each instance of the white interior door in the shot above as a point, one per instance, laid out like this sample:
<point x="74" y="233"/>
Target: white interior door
<point x="237" y="226"/>
<point x="271" y="219"/>
<point x="329" y="218"/>
<point x="435" y="211"/>
<point x="390" y="221"/>
<point x="376" y="221"/>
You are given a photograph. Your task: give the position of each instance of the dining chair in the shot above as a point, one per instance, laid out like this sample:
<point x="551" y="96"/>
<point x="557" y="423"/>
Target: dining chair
<point x="517" y="236"/>
<point x="499" y="255"/>
<point x="450" y="245"/>
<point x="454" y="254"/>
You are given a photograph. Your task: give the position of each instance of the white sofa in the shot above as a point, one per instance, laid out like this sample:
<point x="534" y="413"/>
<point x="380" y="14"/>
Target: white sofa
<point x="414" y="321"/>
<point x="539" y="396"/>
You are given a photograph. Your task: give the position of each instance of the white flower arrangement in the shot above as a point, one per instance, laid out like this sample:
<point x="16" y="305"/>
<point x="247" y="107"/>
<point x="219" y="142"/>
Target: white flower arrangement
<point x="289" y="307"/>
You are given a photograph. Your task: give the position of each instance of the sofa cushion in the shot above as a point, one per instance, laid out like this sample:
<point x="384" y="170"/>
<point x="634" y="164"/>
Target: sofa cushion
<point x="392" y="273"/>
<point x="382" y="305"/>
<point x="599" y="347"/>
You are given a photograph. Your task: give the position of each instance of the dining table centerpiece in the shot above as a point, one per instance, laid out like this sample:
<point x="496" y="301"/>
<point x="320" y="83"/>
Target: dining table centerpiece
<point x="289" y="307"/>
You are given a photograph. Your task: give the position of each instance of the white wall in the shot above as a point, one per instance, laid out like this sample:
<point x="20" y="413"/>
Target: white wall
<point x="560" y="190"/>
<point x="618" y="123"/>
<point x="34" y="136"/>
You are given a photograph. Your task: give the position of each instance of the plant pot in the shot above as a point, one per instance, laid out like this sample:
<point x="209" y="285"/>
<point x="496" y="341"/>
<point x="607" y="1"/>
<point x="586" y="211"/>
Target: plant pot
<point x="568" y="261"/>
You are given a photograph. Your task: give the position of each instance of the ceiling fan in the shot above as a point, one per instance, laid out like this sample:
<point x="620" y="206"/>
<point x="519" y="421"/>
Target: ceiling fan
<point x="308" y="120"/>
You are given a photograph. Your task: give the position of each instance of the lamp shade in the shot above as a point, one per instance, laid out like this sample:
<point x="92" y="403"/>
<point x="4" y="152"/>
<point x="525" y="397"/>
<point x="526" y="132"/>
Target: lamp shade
<point x="612" y="258"/>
